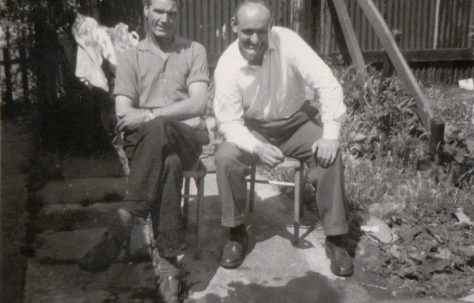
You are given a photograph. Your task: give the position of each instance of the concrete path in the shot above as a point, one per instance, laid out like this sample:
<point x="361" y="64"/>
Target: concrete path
<point x="75" y="214"/>
<point x="274" y="270"/>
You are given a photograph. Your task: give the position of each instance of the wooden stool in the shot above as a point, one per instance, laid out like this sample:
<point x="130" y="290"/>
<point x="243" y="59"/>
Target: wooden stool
<point x="198" y="174"/>
<point x="297" y="185"/>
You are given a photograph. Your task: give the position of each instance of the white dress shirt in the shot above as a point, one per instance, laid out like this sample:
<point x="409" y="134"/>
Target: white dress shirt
<point x="275" y="90"/>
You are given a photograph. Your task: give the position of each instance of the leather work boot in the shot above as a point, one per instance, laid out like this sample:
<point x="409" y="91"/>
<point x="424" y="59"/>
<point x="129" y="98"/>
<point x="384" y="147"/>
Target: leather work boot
<point x="169" y="289"/>
<point x="341" y="262"/>
<point x="102" y="255"/>
<point x="233" y="253"/>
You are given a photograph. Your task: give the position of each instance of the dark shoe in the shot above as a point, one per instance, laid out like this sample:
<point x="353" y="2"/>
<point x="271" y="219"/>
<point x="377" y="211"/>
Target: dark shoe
<point x="233" y="253"/>
<point x="102" y="255"/>
<point x="341" y="262"/>
<point x="169" y="289"/>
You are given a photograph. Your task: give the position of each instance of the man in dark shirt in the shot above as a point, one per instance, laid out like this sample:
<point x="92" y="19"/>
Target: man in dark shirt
<point x="160" y="95"/>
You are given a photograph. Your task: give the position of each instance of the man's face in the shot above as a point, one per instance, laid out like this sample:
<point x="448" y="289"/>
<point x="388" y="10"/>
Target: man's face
<point x="253" y="28"/>
<point x="162" y="17"/>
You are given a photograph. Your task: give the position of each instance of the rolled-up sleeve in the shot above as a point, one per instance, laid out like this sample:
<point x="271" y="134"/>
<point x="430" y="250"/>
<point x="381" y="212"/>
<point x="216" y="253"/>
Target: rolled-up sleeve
<point x="319" y="77"/>
<point x="126" y="78"/>
<point x="199" y="68"/>
<point x="229" y="110"/>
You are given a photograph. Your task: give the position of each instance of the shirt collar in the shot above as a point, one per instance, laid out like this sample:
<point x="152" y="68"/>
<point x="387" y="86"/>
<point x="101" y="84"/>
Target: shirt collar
<point x="271" y="43"/>
<point x="148" y="45"/>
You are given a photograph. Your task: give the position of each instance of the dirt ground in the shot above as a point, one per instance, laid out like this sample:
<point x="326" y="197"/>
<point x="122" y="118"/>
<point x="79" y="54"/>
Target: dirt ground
<point x="432" y="252"/>
<point x="17" y="148"/>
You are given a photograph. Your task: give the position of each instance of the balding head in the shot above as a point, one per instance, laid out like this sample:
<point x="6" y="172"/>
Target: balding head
<point x="252" y="9"/>
<point x="252" y="24"/>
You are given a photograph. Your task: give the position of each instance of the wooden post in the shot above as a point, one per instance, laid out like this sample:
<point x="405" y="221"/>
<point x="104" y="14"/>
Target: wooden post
<point x="8" y="75"/>
<point x="424" y="110"/>
<point x="24" y="75"/>
<point x="351" y="41"/>
<point x="436" y="136"/>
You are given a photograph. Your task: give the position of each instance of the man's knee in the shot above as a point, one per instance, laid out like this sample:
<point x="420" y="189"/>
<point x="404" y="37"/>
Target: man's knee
<point x="172" y="161"/>
<point x="317" y="172"/>
<point x="154" y="125"/>
<point x="227" y="154"/>
<point x="123" y="215"/>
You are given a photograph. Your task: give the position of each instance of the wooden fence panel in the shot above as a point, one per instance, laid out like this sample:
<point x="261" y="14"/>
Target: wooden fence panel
<point x="425" y="25"/>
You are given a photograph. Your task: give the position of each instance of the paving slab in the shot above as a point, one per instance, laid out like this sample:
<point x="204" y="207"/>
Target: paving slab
<point x="83" y="191"/>
<point x="60" y="283"/>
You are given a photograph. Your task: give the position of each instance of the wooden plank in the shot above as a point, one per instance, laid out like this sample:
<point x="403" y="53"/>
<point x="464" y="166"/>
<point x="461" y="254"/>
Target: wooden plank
<point x="351" y="41"/>
<point x="434" y="125"/>
<point x="418" y="56"/>
<point x="378" y="23"/>
<point x="438" y="55"/>
<point x="387" y="69"/>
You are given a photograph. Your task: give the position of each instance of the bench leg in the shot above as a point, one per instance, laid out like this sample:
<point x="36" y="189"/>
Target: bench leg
<point x="199" y="215"/>
<point x="186" y="202"/>
<point x="253" y="172"/>
<point x="302" y="178"/>
<point x="297" y="204"/>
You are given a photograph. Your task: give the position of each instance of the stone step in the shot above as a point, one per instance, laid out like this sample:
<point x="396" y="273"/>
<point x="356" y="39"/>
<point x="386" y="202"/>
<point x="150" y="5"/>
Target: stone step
<point x="83" y="191"/>
<point x="90" y="167"/>
<point x="63" y="217"/>
<point x="59" y="283"/>
<point x="70" y="216"/>
<point x="70" y="246"/>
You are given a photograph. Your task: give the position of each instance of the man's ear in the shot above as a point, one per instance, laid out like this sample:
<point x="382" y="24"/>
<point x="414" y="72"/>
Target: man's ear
<point x="233" y="24"/>
<point x="145" y="10"/>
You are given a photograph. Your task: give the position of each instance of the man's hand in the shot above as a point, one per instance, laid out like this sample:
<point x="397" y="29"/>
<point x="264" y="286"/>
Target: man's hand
<point x="269" y="154"/>
<point x="131" y="121"/>
<point x="325" y="151"/>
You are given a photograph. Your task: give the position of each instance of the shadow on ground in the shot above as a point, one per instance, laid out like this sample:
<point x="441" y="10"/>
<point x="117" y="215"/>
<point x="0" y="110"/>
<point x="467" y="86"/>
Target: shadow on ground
<point x="313" y="287"/>
<point x="274" y="269"/>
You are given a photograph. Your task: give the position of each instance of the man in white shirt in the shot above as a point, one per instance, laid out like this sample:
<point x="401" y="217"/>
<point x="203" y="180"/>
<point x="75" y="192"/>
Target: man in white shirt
<point x="260" y="109"/>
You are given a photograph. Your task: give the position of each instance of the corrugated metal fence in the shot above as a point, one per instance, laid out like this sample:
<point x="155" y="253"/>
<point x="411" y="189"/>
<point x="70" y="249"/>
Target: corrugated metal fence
<point x="208" y="21"/>
<point x="424" y="24"/>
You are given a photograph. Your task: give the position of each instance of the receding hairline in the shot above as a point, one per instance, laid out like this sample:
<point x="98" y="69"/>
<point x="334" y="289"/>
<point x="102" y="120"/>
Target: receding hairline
<point x="246" y="3"/>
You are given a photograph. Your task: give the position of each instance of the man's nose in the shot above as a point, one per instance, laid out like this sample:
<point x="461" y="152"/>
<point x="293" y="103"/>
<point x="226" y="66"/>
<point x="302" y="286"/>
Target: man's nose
<point x="165" y="18"/>
<point x="255" y="39"/>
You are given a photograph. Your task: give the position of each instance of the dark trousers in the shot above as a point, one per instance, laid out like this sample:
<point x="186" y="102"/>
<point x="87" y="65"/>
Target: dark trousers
<point x="294" y="136"/>
<point x="160" y="150"/>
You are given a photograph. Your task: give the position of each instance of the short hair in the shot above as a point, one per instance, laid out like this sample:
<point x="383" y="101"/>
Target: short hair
<point x="148" y="3"/>
<point x="246" y="2"/>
